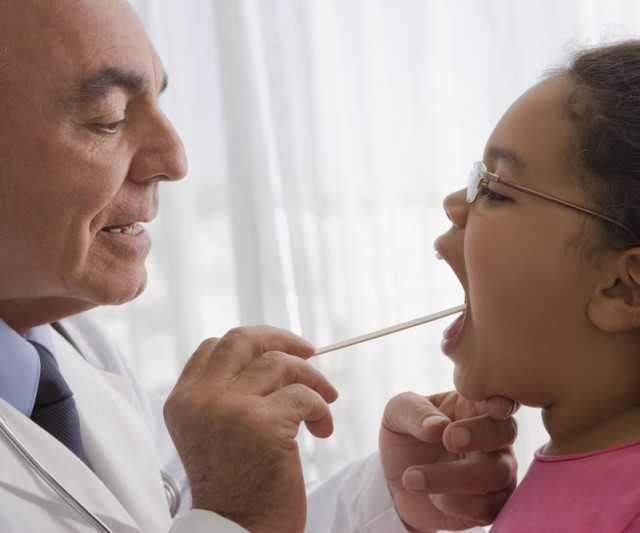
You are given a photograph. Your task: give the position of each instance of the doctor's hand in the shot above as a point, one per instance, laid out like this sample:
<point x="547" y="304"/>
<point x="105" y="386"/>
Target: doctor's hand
<point x="234" y="415"/>
<point x="448" y="461"/>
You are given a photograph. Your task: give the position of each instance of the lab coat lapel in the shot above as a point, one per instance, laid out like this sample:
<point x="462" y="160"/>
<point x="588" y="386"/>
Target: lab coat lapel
<point x="116" y="439"/>
<point x="27" y="500"/>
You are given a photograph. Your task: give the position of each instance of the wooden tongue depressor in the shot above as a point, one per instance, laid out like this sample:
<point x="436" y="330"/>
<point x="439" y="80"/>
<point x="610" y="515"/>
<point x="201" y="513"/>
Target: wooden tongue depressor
<point x="391" y="329"/>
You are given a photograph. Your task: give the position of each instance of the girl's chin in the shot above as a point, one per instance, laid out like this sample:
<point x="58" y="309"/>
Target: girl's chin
<point x="468" y="387"/>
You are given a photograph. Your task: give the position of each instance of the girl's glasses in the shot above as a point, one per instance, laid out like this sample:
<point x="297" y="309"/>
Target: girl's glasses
<point x="480" y="178"/>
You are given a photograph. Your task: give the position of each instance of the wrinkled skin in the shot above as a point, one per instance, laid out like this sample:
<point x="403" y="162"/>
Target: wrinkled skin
<point x="234" y="415"/>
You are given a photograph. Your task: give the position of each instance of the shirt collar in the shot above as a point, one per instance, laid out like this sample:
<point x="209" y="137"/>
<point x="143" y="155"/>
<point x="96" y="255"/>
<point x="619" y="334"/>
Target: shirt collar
<point x="21" y="365"/>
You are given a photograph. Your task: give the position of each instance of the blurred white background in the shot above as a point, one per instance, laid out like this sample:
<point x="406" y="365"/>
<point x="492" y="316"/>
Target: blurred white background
<point x="323" y="136"/>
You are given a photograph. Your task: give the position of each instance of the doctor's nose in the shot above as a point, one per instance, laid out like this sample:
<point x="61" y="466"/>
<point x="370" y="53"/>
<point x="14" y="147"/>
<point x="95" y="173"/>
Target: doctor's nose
<point x="161" y="156"/>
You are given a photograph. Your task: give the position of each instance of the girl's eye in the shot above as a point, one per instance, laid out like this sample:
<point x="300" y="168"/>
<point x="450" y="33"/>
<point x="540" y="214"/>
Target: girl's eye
<point x="491" y="195"/>
<point x="110" y="128"/>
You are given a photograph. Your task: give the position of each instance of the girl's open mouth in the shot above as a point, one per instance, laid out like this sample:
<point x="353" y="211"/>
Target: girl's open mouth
<point x="452" y="333"/>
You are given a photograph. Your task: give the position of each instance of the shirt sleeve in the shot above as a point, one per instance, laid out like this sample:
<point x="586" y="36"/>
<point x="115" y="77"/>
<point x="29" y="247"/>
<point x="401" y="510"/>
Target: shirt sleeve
<point x="201" y="521"/>
<point x="356" y="500"/>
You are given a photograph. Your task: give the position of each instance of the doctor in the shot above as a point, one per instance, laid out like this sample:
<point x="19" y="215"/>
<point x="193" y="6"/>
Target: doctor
<point x="83" y="149"/>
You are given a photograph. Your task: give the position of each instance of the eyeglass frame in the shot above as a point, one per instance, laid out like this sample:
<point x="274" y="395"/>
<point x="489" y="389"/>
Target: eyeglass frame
<point x="485" y="177"/>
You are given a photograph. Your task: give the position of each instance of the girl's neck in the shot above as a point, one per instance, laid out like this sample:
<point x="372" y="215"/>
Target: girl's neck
<point x="591" y="426"/>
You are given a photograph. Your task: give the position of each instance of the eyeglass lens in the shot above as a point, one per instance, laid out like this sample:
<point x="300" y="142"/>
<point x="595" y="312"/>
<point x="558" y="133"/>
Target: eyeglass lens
<point x="474" y="181"/>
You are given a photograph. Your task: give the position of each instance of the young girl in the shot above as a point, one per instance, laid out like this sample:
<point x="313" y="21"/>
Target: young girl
<point x="546" y="243"/>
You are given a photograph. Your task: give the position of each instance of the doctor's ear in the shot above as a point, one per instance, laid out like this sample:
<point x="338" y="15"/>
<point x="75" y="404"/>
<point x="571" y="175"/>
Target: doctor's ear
<point x="615" y="307"/>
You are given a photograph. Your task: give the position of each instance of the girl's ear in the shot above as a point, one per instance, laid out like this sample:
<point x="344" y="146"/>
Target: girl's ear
<point x="615" y="307"/>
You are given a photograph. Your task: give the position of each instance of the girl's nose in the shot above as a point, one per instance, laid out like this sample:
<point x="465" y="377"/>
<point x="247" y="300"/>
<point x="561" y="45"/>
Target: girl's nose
<point x="457" y="208"/>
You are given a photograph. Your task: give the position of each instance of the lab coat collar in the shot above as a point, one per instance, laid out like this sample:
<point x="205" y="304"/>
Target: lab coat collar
<point x="123" y="486"/>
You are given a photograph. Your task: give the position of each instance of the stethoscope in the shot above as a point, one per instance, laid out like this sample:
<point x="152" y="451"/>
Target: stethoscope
<point x="171" y="489"/>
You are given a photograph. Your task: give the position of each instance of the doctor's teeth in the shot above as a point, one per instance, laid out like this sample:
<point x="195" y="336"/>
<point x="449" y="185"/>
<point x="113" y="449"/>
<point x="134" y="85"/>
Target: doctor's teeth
<point x="133" y="229"/>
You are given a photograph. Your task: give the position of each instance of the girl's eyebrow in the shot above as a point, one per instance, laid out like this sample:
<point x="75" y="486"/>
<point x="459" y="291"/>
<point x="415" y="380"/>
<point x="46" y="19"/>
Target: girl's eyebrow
<point x="497" y="153"/>
<point x="99" y="85"/>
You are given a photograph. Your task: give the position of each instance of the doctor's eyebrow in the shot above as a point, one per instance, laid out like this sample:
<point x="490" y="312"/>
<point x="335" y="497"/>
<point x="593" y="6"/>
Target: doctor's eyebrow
<point x="99" y="85"/>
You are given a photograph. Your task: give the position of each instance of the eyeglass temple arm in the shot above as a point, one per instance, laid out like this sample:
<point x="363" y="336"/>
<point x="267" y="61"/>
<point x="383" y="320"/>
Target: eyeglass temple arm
<point x="513" y="185"/>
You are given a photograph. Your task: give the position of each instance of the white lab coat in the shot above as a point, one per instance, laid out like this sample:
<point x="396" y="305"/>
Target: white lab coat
<point x="128" y="446"/>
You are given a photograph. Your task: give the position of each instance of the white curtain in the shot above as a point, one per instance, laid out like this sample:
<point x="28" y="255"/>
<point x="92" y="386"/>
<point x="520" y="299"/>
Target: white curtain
<point x="323" y="136"/>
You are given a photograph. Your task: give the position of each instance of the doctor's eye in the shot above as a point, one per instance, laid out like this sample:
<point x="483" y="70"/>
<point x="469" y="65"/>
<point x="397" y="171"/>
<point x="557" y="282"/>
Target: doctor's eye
<point x="109" y="128"/>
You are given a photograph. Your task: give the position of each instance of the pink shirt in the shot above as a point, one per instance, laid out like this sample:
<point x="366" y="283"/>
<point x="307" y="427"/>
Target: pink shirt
<point x="591" y="492"/>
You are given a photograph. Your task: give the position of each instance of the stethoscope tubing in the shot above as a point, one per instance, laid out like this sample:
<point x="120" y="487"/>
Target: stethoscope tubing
<point x="49" y="479"/>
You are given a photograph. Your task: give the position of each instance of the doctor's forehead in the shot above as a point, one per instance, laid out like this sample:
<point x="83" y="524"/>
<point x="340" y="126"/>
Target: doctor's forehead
<point x="61" y="24"/>
<point x="42" y="40"/>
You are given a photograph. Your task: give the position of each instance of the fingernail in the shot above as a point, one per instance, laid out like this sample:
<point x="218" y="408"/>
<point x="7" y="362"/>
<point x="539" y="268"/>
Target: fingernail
<point x="508" y="407"/>
<point x="460" y="437"/>
<point x="433" y="420"/>
<point x="413" y="480"/>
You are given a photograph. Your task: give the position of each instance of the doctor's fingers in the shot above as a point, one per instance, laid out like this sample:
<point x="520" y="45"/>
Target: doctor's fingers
<point x="480" y="434"/>
<point x="480" y="509"/>
<point x="272" y="371"/>
<point x="501" y="408"/>
<point x="229" y="355"/>
<point x="480" y="473"/>
<point x="409" y="413"/>
<point x="295" y="404"/>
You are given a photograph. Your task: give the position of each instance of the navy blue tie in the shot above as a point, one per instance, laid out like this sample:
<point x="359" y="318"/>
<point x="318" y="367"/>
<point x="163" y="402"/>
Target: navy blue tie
<point x="55" y="409"/>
